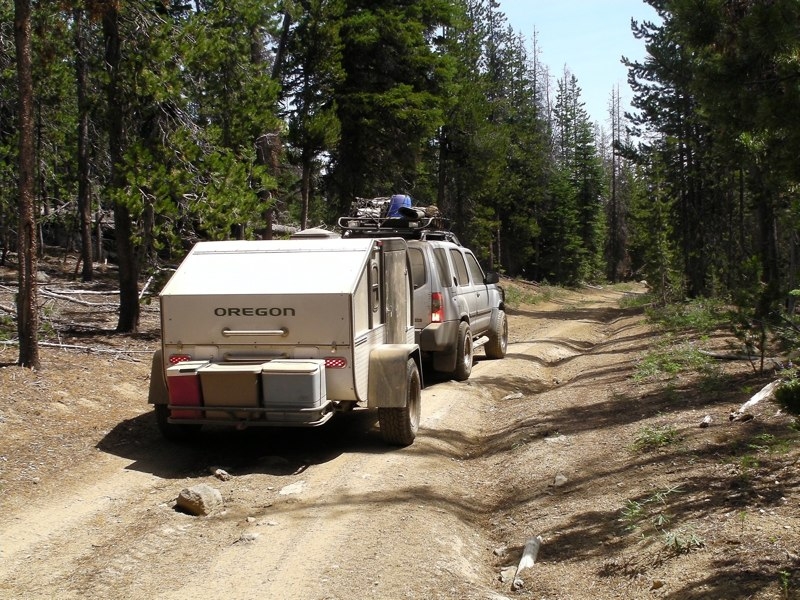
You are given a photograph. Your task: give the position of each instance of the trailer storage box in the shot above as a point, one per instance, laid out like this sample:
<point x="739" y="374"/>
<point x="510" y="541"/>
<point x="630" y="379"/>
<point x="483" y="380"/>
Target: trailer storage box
<point x="230" y="385"/>
<point x="183" y="384"/>
<point x="293" y="384"/>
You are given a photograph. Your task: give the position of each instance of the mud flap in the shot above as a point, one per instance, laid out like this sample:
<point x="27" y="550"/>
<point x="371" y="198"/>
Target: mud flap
<point x="388" y="381"/>
<point x="445" y="362"/>
<point x="158" y="393"/>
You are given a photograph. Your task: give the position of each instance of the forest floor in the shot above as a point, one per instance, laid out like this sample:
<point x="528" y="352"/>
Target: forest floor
<point x="562" y="442"/>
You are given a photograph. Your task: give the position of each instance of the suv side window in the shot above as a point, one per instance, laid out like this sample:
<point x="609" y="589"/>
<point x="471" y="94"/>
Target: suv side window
<point x="460" y="266"/>
<point x="442" y="267"/>
<point x="418" y="273"/>
<point x="475" y="269"/>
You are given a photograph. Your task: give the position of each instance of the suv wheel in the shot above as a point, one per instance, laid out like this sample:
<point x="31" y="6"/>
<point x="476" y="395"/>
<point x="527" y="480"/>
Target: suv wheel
<point x="399" y="425"/>
<point x="463" y="353"/>
<point x="497" y="345"/>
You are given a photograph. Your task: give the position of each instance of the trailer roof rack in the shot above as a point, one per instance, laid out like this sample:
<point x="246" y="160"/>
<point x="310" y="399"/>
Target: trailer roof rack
<point x="419" y="228"/>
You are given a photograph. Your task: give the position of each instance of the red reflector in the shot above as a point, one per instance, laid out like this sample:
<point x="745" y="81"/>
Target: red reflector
<point x="437" y="315"/>
<point x="174" y="359"/>
<point x="335" y="362"/>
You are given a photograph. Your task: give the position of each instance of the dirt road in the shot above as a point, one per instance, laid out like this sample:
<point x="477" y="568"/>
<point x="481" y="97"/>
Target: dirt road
<point x="535" y="444"/>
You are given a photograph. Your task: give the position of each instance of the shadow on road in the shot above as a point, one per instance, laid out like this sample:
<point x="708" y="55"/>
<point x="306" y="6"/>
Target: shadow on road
<point x="270" y="450"/>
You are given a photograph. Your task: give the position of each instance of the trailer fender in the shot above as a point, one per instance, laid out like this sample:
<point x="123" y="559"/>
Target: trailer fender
<point x="158" y="393"/>
<point x="388" y="384"/>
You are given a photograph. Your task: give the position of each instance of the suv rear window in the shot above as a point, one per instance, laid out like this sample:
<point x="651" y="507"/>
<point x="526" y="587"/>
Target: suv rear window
<point x="419" y="275"/>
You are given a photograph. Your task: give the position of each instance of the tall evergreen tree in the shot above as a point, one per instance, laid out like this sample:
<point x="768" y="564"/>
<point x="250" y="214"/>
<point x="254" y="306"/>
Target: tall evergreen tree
<point x="82" y="156"/>
<point x="617" y="203"/>
<point x="522" y="188"/>
<point x="662" y="88"/>
<point x="312" y="73"/>
<point x="234" y="114"/>
<point x="390" y="100"/>
<point x="465" y="141"/>
<point x="27" y="305"/>
<point x="745" y="81"/>
<point x="8" y="127"/>
<point x="117" y="104"/>
<point x="575" y="241"/>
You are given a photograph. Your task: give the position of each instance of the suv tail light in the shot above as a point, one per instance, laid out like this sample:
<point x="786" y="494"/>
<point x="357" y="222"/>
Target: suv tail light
<point x="437" y="314"/>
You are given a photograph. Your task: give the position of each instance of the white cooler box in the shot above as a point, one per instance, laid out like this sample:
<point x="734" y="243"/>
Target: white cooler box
<point x="293" y="384"/>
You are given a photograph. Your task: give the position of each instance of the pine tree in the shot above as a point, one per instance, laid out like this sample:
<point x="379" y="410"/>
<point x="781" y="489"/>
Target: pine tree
<point x="8" y="128"/>
<point x="312" y="73"/>
<point x="390" y="101"/>
<point x="27" y="306"/>
<point x="576" y="241"/>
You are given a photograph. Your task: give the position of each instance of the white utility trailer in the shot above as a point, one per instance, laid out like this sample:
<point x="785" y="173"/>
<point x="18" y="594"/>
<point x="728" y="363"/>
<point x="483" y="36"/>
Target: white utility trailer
<point x="287" y="333"/>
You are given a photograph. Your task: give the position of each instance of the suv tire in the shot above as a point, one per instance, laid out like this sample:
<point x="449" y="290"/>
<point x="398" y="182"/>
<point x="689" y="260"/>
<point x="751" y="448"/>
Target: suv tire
<point x="463" y="353"/>
<point x="399" y="426"/>
<point x="497" y="346"/>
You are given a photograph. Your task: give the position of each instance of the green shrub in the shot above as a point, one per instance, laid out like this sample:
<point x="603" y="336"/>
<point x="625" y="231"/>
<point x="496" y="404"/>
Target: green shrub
<point x="702" y="315"/>
<point x="8" y="328"/>
<point x="517" y="296"/>
<point x="669" y="360"/>
<point x="788" y="395"/>
<point x="652" y="438"/>
<point x="636" y="300"/>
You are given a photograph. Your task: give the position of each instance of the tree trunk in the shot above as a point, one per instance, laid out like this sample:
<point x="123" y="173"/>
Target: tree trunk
<point x="27" y="312"/>
<point x="280" y="51"/>
<point x="84" y="199"/>
<point x="268" y="148"/>
<point x="614" y="201"/>
<point x="126" y="254"/>
<point x="305" y="186"/>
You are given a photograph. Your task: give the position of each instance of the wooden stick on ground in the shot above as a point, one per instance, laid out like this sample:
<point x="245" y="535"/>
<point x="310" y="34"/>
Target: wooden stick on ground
<point x="528" y="558"/>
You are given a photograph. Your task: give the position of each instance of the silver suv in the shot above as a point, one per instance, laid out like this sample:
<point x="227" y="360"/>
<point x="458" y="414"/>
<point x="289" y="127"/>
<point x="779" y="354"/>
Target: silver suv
<point x="457" y="307"/>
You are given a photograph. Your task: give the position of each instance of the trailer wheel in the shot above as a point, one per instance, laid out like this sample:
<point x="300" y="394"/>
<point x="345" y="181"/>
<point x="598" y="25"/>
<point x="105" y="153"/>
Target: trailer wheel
<point x="399" y="425"/>
<point x="497" y="345"/>
<point x="463" y="353"/>
<point x="174" y="432"/>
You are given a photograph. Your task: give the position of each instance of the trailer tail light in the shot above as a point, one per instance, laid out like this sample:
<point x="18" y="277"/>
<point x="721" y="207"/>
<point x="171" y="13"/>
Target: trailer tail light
<point x="437" y="315"/>
<point x="175" y="359"/>
<point x="335" y="362"/>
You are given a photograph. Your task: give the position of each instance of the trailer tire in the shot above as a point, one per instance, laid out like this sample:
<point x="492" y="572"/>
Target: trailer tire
<point x="464" y="352"/>
<point x="399" y="425"/>
<point x="173" y="432"/>
<point x="497" y="346"/>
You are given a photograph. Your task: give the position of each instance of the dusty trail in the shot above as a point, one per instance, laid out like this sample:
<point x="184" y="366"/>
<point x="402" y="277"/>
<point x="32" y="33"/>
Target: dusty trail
<point x="87" y="486"/>
<point x="308" y="514"/>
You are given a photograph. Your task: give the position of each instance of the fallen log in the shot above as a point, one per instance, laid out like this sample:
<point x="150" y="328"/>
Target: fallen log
<point x="87" y="349"/>
<point x="76" y="301"/>
<point x="766" y="392"/>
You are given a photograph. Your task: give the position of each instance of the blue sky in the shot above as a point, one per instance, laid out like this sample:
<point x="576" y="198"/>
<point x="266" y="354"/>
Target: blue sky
<point x="586" y="36"/>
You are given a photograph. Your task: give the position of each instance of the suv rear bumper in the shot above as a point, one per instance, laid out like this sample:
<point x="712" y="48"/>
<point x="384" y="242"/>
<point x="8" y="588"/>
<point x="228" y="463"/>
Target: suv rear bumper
<point x="438" y="337"/>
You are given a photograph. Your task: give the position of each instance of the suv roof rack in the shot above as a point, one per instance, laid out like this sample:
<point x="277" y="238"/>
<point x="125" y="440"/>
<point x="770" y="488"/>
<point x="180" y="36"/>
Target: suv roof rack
<point x="422" y="228"/>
